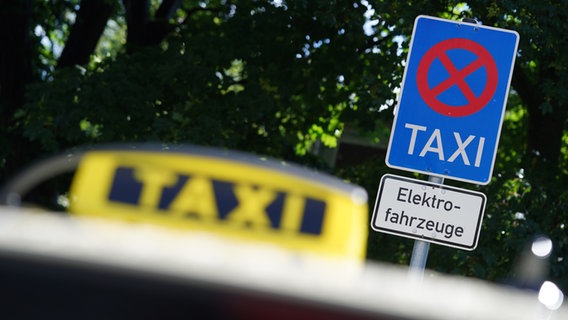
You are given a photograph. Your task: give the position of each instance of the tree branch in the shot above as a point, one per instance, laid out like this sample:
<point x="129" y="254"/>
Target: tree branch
<point x="137" y="15"/>
<point x="167" y="9"/>
<point x="525" y="88"/>
<point x="192" y="11"/>
<point x="141" y="31"/>
<point x="85" y="34"/>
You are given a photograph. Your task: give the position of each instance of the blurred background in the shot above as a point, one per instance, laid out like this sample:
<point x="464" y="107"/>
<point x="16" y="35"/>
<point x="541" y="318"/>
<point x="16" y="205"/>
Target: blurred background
<point x="312" y="82"/>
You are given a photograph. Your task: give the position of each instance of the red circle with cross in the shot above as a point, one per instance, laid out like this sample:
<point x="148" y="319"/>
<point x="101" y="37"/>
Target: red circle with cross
<point x="457" y="77"/>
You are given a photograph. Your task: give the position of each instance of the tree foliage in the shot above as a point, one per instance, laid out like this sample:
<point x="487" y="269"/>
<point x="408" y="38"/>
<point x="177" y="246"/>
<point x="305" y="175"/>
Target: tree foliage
<point x="273" y="77"/>
<point x="258" y="77"/>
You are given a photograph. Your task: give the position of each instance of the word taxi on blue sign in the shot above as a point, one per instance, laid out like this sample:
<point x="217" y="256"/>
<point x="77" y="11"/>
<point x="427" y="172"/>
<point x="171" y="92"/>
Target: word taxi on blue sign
<point x="453" y="96"/>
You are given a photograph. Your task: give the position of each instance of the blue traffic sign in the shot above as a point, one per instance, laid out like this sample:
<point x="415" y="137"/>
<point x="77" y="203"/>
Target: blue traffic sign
<point x="453" y="96"/>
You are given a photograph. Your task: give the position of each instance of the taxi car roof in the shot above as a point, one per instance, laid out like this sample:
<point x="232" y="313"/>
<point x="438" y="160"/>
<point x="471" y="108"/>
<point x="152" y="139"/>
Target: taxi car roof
<point x="66" y="266"/>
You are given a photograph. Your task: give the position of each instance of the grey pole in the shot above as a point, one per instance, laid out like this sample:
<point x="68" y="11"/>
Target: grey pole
<point x="420" y="250"/>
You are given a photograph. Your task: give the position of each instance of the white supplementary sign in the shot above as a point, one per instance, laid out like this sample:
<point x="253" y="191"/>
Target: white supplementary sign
<point x="428" y="211"/>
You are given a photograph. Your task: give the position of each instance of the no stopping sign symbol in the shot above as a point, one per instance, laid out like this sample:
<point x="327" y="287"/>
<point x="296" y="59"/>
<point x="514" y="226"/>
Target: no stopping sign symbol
<point x="483" y="60"/>
<point x="452" y="100"/>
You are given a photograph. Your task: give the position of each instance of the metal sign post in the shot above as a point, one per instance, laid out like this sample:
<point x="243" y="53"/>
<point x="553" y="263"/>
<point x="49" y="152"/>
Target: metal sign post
<point x="418" y="261"/>
<point x="428" y="211"/>
<point x="447" y="125"/>
<point x="420" y="250"/>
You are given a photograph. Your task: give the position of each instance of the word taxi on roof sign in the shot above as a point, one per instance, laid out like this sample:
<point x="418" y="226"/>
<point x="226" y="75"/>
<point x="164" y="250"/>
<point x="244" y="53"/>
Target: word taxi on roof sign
<point x="226" y="193"/>
<point x="453" y="96"/>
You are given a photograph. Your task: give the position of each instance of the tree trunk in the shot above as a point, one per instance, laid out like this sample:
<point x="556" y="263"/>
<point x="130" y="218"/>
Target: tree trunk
<point x="86" y="31"/>
<point x="137" y="15"/>
<point x="545" y="132"/>
<point x="545" y="128"/>
<point x="15" y="74"/>
<point x="143" y="32"/>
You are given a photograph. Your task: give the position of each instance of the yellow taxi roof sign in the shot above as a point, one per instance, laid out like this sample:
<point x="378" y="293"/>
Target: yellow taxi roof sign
<point x="227" y="193"/>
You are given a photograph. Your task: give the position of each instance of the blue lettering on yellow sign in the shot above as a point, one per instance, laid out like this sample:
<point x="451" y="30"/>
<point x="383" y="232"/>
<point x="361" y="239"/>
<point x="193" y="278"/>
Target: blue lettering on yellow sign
<point x="202" y="198"/>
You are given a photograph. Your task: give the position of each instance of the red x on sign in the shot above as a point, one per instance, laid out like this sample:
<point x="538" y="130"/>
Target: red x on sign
<point x="457" y="77"/>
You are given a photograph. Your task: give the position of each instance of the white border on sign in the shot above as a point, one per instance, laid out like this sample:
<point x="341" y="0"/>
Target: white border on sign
<point x="485" y="182"/>
<point x="477" y="231"/>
